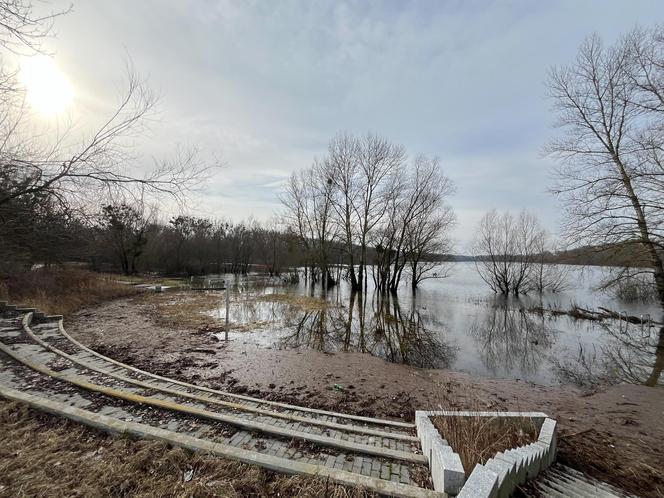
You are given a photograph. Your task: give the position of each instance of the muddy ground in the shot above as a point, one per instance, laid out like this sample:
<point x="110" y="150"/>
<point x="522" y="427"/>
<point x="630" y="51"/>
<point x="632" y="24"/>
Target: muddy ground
<point x="615" y="434"/>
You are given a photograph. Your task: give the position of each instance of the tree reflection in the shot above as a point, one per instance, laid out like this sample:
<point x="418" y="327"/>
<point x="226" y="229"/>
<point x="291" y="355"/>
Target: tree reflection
<point x="508" y="338"/>
<point x="378" y="326"/>
<point x="632" y="354"/>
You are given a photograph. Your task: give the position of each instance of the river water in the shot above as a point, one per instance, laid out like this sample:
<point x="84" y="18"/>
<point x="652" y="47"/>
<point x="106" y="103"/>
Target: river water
<point x="457" y="323"/>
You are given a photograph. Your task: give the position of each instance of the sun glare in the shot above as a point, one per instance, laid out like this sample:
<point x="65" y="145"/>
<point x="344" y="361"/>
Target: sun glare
<point x="48" y="89"/>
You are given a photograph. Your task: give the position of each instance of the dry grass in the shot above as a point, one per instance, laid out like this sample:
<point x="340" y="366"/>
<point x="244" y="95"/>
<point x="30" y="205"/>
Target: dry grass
<point x="476" y="439"/>
<point x="61" y="290"/>
<point x="43" y="455"/>
<point x="188" y="309"/>
<point x="306" y="303"/>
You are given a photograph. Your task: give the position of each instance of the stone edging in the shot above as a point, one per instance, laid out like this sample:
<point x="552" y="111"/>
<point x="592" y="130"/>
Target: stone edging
<point x="236" y="421"/>
<point x="500" y="475"/>
<point x="444" y="464"/>
<point x="207" y="399"/>
<point x="113" y="425"/>
<point x="4" y="306"/>
<point x="359" y="418"/>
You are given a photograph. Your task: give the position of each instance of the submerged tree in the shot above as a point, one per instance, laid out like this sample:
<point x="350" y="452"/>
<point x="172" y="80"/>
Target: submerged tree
<point x="364" y="198"/>
<point x="507" y="251"/>
<point x="417" y="228"/>
<point x="308" y="202"/>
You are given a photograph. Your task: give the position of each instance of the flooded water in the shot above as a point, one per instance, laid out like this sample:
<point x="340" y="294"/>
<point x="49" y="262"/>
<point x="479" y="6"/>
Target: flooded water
<point x="459" y="324"/>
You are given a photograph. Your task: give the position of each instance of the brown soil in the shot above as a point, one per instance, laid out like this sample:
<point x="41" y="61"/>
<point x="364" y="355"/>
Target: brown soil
<point x="67" y="459"/>
<point x="477" y="439"/>
<point x="615" y="434"/>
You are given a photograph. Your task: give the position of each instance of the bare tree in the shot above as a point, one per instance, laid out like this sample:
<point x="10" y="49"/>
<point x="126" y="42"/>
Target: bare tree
<point x="100" y="165"/>
<point x="611" y="180"/>
<point x="379" y="160"/>
<point x="417" y="226"/>
<point x="361" y="170"/>
<point x="506" y="250"/>
<point x="342" y="170"/>
<point x="364" y="194"/>
<point x="428" y="232"/>
<point x="308" y="203"/>
<point x="22" y="29"/>
<point x="546" y="275"/>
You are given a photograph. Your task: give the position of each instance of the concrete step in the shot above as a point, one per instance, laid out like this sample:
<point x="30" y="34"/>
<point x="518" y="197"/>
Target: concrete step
<point x="107" y="423"/>
<point x="87" y="358"/>
<point x="559" y="481"/>
<point x="328" y="444"/>
<point x="582" y="485"/>
<point x="392" y="425"/>
<point x="37" y="360"/>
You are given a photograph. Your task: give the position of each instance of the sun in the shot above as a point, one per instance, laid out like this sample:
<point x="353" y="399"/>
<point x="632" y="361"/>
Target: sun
<point x="48" y="89"/>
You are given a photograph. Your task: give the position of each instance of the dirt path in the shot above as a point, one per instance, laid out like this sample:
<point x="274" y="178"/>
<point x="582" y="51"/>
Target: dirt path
<point x="616" y="435"/>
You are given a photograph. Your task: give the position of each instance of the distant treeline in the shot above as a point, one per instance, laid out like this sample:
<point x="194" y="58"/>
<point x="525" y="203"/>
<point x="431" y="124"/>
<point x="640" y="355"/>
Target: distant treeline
<point x="126" y="238"/>
<point x="631" y="255"/>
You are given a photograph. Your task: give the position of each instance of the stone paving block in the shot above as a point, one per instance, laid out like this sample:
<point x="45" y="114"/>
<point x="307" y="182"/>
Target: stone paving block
<point x="357" y="465"/>
<point x="385" y="472"/>
<point x="329" y="460"/>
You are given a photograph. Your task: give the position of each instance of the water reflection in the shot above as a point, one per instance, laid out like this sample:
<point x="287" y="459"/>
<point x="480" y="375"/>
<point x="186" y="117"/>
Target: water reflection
<point x="378" y="326"/>
<point x="457" y="323"/>
<point x="631" y="354"/>
<point x="511" y="339"/>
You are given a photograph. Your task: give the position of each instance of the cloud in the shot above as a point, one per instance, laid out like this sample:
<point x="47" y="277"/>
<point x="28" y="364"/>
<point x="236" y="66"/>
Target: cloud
<point x="264" y="85"/>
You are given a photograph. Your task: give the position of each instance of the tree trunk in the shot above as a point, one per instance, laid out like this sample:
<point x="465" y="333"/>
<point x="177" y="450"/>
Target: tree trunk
<point x="658" y="367"/>
<point x="644" y="232"/>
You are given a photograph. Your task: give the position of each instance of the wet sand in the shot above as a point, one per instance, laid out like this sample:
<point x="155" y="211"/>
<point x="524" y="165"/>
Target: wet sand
<point x="616" y="434"/>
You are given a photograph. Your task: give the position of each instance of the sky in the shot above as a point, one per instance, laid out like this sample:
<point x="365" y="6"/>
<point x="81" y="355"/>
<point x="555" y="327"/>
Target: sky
<point x="264" y="85"/>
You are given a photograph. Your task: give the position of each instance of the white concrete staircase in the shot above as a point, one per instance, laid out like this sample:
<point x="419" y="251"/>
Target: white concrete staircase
<point x="560" y="481"/>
